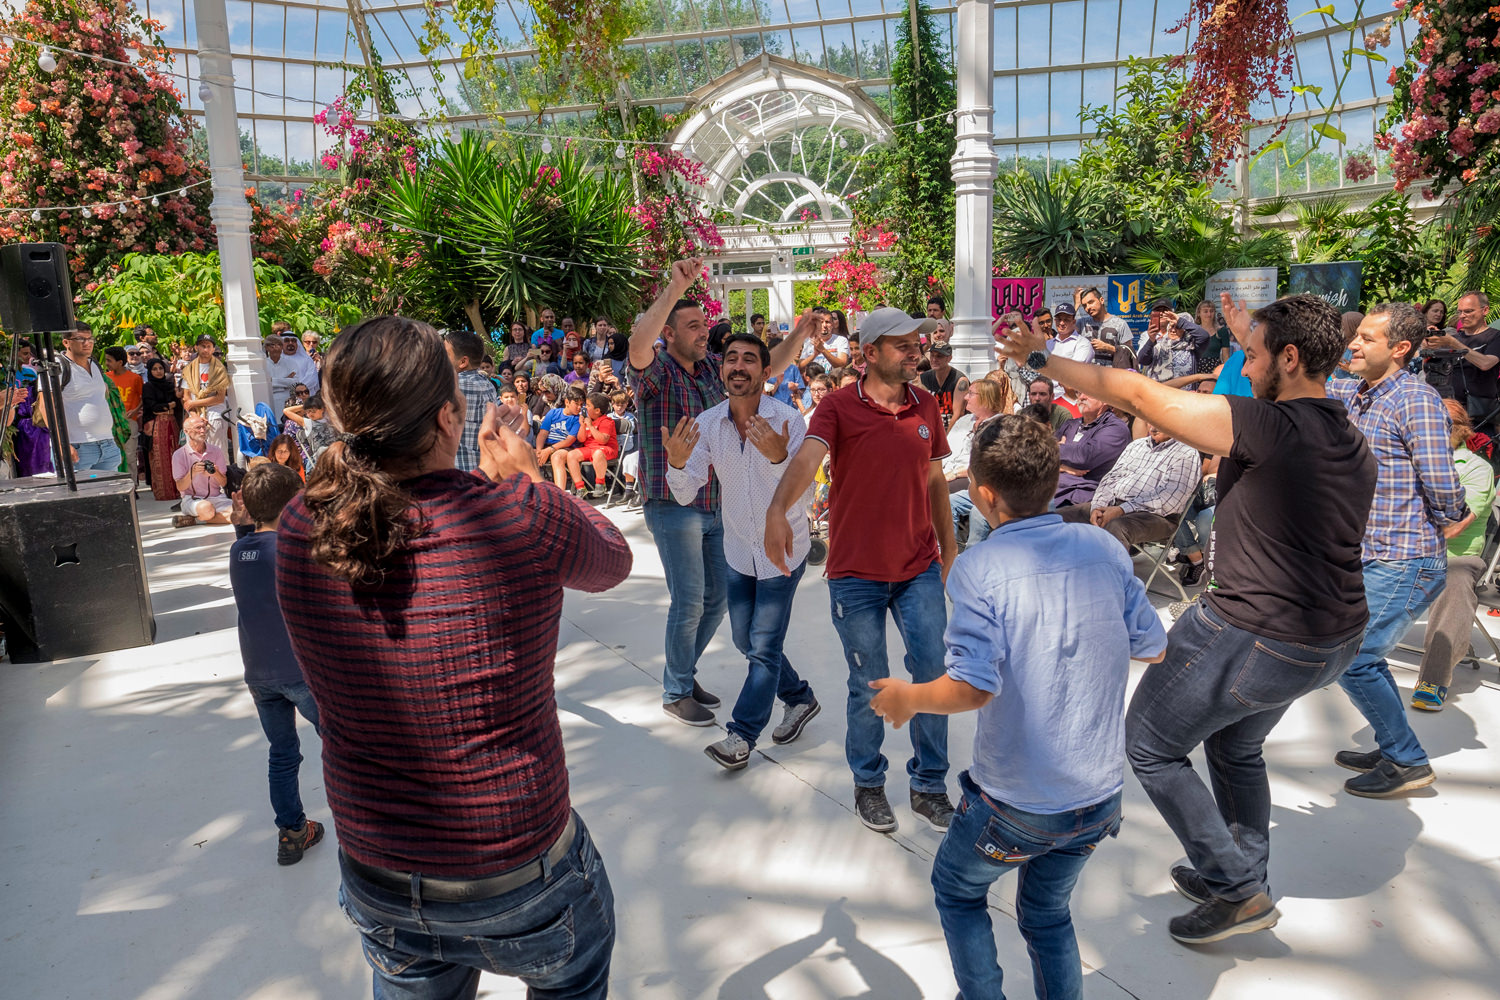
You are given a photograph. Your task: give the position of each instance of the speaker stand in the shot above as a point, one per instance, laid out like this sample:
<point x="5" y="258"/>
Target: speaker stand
<point x="57" y="419"/>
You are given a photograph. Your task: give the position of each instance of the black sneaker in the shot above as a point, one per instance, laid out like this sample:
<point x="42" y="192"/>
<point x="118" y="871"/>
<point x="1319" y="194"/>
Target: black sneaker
<point x="1389" y="778"/>
<point x="1191" y="574"/>
<point x="689" y="712"/>
<point x="703" y="698"/>
<point x="1358" y="760"/>
<point x="1217" y="919"/>
<point x="1191" y="885"/>
<point x="291" y="843"/>
<point x="873" y="809"/>
<point x="934" y="807"/>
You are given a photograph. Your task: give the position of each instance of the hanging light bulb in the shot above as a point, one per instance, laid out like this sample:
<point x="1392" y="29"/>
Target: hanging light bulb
<point x="182" y="193"/>
<point x="205" y="92"/>
<point x="87" y="212"/>
<point x="155" y="201"/>
<point x="36" y="215"/>
<point x="546" y="145"/>
<point x="47" y="61"/>
<point x="439" y="240"/>
<point x="523" y="258"/>
<point x="124" y="208"/>
<point x="919" y="128"/>
<point x="843" y="143"/>
<point x="599" y="268"/>
<point x="561" y="266"/>
<point x="620" y="151"/>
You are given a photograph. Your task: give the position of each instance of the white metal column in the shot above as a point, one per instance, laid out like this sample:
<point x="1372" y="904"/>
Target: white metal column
<point x="783" y="291"/>
<point x="249" y="384"/>
<point x="975" y="167"/>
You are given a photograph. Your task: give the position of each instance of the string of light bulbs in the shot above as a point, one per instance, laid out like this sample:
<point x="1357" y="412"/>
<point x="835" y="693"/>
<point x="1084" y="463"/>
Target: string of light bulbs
<point x="484" y="248"/>
<point x="122" y="204"/>
<point x="47" y="62"/>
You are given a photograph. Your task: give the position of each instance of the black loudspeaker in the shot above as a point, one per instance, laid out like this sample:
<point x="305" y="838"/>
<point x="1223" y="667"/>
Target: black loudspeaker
<point x="72" y="576"/>
<point x="35" y="293"/>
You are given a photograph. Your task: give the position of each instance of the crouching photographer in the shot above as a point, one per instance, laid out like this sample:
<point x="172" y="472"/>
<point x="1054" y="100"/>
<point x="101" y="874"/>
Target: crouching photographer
<point x="201" y="469"/>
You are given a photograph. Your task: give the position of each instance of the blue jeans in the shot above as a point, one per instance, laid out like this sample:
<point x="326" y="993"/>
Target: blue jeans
<point x="986" y="839"/>
<point x="691" y="543"/>
<point x="1195" y="530"/>
<point x="859" y="609"/>
<point x="759" y="612"/>
<point x="555" y="934"/>
<point x="97" y="456"/>
<point x="1226" y="688"/>
<point x="1397" y="591"/>
<point x="277" y="705"/>
<point x="963" y="506"/>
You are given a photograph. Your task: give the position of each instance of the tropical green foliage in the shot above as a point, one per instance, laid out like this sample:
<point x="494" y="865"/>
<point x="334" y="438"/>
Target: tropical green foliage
<point x="908" y="184"/>
<point x="1053" y="224"/>
<point x="1146" y="159"/>
<point x="1471" y="237"/>
<point x="182" y="298"/>
<point x="1204" y="247"/>
<point x="522" y="232"/>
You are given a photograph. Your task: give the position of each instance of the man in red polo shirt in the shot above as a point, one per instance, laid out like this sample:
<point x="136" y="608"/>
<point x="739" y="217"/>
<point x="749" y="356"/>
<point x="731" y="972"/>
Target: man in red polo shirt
<point x="891" y="545"/>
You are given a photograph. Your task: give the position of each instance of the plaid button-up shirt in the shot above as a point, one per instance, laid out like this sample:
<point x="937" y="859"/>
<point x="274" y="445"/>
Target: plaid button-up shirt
<point x="666" y="392"/>
<point x="1417" y="492"/>
<point x="1155" y="478"/>
<point x="479" y="393"/>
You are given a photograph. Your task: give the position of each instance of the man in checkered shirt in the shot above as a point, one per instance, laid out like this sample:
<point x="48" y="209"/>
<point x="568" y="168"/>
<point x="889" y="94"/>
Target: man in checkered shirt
<point x="1419" y="503"/>
<point x="465" y="352"/>
<point x="1141" y="498"/>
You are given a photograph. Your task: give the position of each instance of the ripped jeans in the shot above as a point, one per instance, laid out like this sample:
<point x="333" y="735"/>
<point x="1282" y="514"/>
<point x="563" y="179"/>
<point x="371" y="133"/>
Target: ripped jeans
<point x="859" y="609"/>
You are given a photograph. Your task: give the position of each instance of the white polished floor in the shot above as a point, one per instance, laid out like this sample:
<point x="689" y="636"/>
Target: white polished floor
<point x="139" y="850"/>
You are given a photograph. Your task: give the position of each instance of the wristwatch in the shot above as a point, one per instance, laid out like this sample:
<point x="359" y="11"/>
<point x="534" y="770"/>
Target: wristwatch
<point x="1036" y="360"/>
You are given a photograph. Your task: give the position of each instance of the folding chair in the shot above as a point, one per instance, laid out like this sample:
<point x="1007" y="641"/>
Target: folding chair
<point x="1159" y="561"/>
<point x="1488" y="595"/>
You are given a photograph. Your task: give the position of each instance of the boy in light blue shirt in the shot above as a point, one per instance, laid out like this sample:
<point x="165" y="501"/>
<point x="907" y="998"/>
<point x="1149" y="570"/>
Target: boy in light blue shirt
<point x="1046" y="618"/>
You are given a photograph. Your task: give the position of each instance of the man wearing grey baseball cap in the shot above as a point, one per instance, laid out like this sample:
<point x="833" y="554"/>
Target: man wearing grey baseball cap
<point x="890" y="547"/>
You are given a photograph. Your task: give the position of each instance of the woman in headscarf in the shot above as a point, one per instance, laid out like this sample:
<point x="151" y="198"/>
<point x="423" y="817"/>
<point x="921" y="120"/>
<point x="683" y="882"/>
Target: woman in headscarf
<point x="33" y="444"/>
<point x="161" y="415"/>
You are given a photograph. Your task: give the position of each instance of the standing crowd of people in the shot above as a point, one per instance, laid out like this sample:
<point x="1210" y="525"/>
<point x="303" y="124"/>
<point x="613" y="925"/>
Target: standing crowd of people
<point x="1325" y="514"/>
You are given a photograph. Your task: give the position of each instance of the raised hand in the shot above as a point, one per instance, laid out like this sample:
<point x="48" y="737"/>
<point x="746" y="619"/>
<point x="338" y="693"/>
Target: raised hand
<point x="687" y="271"/>
<point x="680" y="442"/>
<point x="767" y="440"/>
<point x="1016" y="344"/>
<point x="1236" y="317"/>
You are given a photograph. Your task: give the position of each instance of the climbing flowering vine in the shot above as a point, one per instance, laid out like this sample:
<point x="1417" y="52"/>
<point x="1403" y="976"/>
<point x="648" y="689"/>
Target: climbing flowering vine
<point x="675" y="220"/>
<point x="1443" y="123"/>
<point x="852" y="278"/>
<point x="93" y="132"/>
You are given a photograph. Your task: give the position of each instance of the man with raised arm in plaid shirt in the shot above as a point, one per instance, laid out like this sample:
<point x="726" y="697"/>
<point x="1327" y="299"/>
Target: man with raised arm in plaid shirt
<point x="465" y="352"/>
<point x="682" y="380"/>
<point x="1141" y="498"/>
<point x="1419" y="502"/>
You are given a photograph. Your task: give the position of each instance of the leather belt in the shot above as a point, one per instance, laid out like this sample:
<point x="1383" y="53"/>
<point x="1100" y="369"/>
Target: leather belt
<point x="450" y="890"/>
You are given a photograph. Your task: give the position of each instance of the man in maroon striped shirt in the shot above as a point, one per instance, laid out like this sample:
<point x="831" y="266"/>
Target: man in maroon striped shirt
<point x="442" y="752"/>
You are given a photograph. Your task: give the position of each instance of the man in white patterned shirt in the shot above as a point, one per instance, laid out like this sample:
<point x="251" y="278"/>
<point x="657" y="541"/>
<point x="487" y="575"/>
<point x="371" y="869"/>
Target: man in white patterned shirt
<point x="1140" y="499"/>
<point x="745" y="441"/>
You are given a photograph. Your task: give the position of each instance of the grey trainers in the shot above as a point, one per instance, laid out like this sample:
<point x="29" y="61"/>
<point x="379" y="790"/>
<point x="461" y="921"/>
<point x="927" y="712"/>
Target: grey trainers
<point x="689" y="712"/>
<point x="730" y="753"/>
<point x="934" y="807"/>
<point x="794" y="720"/>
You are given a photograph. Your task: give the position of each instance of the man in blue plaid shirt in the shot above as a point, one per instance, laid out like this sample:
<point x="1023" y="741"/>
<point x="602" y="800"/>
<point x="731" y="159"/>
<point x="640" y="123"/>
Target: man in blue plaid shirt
<point x="1419" y="503"/>
<point x="465" y="352"/>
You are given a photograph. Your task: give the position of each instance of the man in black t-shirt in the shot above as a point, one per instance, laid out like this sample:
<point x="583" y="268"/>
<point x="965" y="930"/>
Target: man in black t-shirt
<point x="945" y="382"/>
<point x="1476" y="379"/>
<point x="1284" y="612"/>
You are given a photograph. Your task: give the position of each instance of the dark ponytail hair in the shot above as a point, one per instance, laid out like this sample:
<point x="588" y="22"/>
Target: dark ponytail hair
<point x="384" y="380"/>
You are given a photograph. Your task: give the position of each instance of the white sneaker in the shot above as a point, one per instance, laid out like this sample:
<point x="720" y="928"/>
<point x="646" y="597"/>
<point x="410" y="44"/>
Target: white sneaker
<point x="794" y="720"/>
<point x="731" y="753"/>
